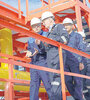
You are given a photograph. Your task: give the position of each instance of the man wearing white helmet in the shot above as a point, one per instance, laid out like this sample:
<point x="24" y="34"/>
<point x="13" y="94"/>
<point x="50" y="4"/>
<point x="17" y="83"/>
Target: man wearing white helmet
<point x="58" y="33"/>
<point x="73" y="61"/>
<point x="36" y="51"/>
<point x="86" y="70"/>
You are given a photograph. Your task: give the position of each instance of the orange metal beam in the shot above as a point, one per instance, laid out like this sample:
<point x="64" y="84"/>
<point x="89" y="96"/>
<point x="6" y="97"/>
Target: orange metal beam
<point x="38" y="68"/>
<point x="84" y="7"/>
<point x="1" y="93"/>
<point x="26" y="94"/>
<point x="62" y="7"/>
<point x="89" y="21"/>
<point x="55" y="7"/>
<point x="16" y="58"/>
<point x="84" y="2"/>
<point x="59" y="2"/>
<point x="18" y="53"/>
<point x="19" y="8"/>
<point x="49" y="3"/>
<point x="9" y="85"/>
<point x="18" y="44"/>
<point x="15" y="81"/>
<point x="86" y="16"/>
<point x="37" y="36"/>
<point x="62" y="74"/>
<point x="26" y="32"/>
<point x="12" y="16"/>
<point x="18" y="35"/>
<point x="57" y="18"/>
<point x="65" y="13"/>
<point x="72" y="16"/>
<point x="44" y="2"/>
<point x="21" y="55"/>
<point x="10" y="7"/>
<point x="27" y="12"/>
<point x="78" y="17"/>
<point x="53" y="1"/>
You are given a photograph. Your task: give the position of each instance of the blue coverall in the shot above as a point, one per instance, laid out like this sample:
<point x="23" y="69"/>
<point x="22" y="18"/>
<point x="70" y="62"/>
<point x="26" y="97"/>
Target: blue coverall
<point x="38" y="75"/>
<point x="74" y="84"/>
<point x="86" y="71"/>
<point x="57" y="33"/>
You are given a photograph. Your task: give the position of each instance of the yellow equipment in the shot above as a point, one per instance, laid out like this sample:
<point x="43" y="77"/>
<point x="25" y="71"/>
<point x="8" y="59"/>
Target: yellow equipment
<point x="6" y="47"/>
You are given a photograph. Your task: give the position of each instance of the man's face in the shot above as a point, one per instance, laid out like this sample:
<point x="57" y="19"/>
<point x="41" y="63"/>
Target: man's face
<point x="36" y="28"/>
<point x="46" y="23"/>
<point x="68" y="27"/>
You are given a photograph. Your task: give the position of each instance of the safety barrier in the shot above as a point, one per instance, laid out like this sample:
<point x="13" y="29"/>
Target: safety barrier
<point x="61" y="71"/>
<point x="37" y="36"/>
<point x="12" y="60"/>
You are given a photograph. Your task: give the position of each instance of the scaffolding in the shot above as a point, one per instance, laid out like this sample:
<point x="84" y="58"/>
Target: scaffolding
<point x="14" y="19"/>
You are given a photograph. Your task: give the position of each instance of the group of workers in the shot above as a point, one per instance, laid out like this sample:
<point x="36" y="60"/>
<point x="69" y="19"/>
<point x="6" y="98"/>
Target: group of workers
<point x="47" y="55"/>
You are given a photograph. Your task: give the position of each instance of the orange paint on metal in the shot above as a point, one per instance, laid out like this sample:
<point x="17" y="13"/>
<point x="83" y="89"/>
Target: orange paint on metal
<point x="14" y="57"/>
<point x="27" y="12"/>
<point x="19" y="8"/>
<point x="4" y="4"/>
<point x="53" y="1"/>
<point x="12" y="16"/>
<point x="42" y="38"/>
<point x="83" y="7"/>
<point x="84" y="2"/>
<point x="89" y="21"/>
<point x="11" y="19"/>
<point x="9" y="85"/>
<point x="44" y="2"/>
<point x="78" y="17"/>
<point x="54" y="7"/>
<point x="39" y="68"/>
<point x="62" y="74"/>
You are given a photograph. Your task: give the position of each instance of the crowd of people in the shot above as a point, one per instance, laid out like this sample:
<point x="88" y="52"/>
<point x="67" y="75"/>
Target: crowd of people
<point x="47" y="55"/>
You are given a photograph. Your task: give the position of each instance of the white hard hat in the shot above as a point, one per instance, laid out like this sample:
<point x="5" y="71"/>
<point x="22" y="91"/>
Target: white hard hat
<point x="82" y="34"/>
<point x="35" y="21"/>
<point x="46" y="14"/>
<point x="67" y="20"/>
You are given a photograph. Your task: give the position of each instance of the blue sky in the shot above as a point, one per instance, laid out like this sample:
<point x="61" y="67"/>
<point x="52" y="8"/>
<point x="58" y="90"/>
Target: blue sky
<point x="33" y="4"/>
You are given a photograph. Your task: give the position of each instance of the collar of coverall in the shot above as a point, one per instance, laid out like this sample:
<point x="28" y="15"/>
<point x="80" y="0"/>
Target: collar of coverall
<point x="50" y="28"/>
<point x="41" y="32"/>
<point x="71" y="33"/>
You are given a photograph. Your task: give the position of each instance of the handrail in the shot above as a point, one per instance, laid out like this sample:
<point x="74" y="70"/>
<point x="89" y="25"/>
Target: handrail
<point x="10" y="61"/>
<point x="42" y="38"/>
<point x="29" y="33"/>
<point x="15" y="58"/>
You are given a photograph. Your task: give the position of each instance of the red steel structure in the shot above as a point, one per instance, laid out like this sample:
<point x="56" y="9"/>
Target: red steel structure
<point x="15" y="20"/>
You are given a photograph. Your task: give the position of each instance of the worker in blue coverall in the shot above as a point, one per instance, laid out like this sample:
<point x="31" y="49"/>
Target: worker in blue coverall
<point x="73" y="61"/>
<point x="37" y="52"/>
<point x="86" y="70"/>
<point x="58" y="33"/>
